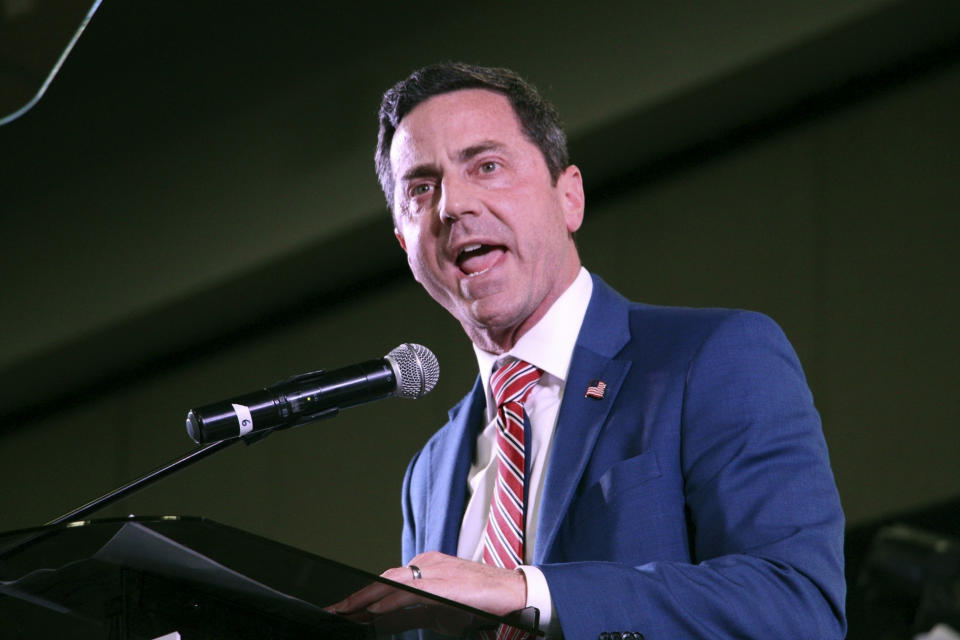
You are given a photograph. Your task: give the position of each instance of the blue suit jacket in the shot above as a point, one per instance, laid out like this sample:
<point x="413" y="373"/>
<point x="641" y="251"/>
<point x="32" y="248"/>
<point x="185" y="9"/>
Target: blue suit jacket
<point x="694" y="500"/>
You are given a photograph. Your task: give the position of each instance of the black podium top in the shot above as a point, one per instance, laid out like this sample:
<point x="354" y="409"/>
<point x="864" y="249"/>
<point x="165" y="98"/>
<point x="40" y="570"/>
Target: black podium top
<point x="144" y="578"/>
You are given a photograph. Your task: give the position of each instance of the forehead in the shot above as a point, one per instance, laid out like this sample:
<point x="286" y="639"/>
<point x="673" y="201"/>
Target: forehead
<point x="449" y="122"/>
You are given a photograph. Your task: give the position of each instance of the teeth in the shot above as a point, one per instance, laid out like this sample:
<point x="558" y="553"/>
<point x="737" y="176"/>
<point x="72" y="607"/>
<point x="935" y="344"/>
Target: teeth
<point x="466" y="254"/>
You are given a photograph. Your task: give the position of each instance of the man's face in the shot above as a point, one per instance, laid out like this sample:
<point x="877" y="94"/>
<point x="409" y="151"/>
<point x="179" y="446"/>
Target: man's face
<point x="486" y="232"/>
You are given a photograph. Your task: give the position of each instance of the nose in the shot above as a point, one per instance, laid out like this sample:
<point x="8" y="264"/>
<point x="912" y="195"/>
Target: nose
<point x="457" y="198"/>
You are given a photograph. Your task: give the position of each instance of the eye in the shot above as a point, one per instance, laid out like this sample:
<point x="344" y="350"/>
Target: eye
<point x="489" y="166"/>
<point x="420" y="189"/>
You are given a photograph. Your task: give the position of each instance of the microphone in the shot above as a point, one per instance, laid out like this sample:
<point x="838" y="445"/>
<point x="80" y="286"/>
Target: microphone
<point x="409" y="371"/>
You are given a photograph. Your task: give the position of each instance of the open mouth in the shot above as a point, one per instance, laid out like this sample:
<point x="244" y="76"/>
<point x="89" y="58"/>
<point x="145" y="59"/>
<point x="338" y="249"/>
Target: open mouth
<point x="476" y="259"/>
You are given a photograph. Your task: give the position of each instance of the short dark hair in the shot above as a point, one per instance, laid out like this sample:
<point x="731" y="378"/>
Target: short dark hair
<point x="539" y="119"/>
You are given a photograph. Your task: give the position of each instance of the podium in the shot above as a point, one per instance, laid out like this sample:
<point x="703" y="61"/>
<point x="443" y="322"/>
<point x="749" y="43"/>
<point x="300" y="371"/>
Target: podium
<point x="148" y="578"/>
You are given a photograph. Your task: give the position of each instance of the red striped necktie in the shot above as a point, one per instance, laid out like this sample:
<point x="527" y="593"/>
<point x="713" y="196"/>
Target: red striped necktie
<point x="503" y="535"/>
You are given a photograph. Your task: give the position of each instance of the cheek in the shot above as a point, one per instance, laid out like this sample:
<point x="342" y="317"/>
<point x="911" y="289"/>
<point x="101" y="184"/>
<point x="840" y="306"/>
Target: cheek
<point x="424" y="250"/>
<point x="409" y="234"/>
<point x="420" y="257"/>
<point x="415" y="258"/>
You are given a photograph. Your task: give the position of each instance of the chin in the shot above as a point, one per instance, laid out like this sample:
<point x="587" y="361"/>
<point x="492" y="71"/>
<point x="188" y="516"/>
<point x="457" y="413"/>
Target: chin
<point x="496" y="320"/>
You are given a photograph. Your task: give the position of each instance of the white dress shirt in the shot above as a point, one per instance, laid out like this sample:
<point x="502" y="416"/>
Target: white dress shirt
<point x="548" y="345"/>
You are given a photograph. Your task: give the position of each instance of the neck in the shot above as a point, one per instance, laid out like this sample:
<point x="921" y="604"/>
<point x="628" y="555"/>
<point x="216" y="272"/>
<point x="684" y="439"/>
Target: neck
<point x="500" y="340"/>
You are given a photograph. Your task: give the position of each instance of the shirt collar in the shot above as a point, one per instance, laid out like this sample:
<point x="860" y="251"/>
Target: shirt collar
<point x="548" y="344"/>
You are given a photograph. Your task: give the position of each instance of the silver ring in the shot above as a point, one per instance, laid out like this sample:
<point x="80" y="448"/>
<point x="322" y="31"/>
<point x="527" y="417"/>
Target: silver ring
<point x="416" y="571"/>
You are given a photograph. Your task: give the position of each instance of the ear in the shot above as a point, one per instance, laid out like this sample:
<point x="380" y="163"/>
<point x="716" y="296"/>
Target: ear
<point x="399" y="237"/>
<point x="572" y="200"/>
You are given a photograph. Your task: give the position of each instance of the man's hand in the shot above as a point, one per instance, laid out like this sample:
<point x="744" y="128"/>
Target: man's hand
<point x="497" y="591"/>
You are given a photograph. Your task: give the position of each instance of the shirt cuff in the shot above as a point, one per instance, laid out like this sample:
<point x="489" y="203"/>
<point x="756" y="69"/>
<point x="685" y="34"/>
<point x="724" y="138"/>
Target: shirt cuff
<point x="538" y="595"/>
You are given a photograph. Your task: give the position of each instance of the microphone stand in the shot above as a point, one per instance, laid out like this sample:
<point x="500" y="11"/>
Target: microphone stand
<point x="145" y="480"/>
<point x="127" y="489"/>
<point x="152" y="476"/>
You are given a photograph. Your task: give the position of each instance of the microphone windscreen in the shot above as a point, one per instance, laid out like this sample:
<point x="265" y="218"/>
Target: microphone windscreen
<point x="417" y="370"/>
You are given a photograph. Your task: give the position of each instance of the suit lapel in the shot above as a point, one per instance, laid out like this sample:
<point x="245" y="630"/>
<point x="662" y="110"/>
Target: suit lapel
<point x="451" y="461"/>
<point x="604" y="332"/>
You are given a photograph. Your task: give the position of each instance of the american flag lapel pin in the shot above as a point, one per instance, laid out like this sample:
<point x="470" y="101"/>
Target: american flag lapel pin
<point x="596" y="389"/>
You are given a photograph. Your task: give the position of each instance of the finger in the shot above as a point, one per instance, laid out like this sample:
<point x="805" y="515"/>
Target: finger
<point x="433" y="559"/>
<point x="397" y="599"/>
<point x="361" y="599"/>
<point x="416" y="617"/>
<point x="361" y="617"/>
<point x="403" y="575"/>
<point x="404" y="620"/>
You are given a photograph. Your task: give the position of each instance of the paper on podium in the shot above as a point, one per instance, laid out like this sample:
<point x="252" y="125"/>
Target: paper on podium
<point x="137" y="547"/>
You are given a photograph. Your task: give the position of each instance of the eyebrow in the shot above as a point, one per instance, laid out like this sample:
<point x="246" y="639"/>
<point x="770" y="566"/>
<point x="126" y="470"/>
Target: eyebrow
<point x="476" y="149"/>
<point x="464" y="155"/>
<point x="419" y="171"/>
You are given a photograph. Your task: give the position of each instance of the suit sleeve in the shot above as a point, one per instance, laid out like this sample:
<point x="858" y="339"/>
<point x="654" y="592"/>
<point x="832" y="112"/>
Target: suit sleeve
<point x="764" y="518"/>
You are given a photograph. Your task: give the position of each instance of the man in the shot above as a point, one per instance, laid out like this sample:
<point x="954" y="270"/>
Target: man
<point x="670" y="476"/>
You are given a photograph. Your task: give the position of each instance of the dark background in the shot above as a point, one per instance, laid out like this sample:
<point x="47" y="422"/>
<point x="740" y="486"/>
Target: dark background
<point x="191" y="212"/>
